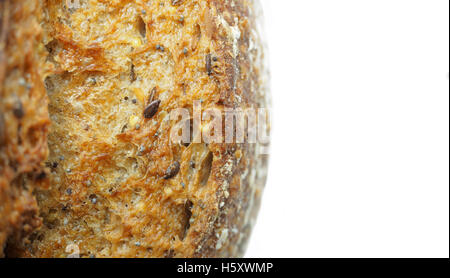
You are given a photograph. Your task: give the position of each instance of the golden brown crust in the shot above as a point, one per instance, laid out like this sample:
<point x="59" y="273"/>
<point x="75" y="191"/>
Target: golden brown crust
<point x="23" y="118"/>
<point x="119" y="186"/>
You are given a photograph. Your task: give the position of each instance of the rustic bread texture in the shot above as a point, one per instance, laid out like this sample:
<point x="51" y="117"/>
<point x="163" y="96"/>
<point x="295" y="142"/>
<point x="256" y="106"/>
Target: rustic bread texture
<point x="119" y="186"/>
<point x="23" y="118"/>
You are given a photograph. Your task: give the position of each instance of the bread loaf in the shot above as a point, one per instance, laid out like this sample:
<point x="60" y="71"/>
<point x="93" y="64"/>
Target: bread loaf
<point x="120" y="186"/>
<point x="23" y="118"/>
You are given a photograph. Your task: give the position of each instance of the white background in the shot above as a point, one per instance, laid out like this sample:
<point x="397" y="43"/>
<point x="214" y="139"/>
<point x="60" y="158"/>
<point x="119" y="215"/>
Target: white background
<point x="360" y="154"/>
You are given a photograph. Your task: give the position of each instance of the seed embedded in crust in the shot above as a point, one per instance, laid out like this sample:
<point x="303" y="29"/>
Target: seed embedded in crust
<point x="208" y="64"/>
<point x="172" y="171"/>
<point x="42" y="175"/>
<point x="141" y="150"/>
<point x="2" y="129"/>
<point x="18" y="110"/>
<point x="176" y="2"/>
<point x="160" y="47"/>
<point x="153" y="92"/>
<point x="132" y="73"/>
<point x="93" y="198"/>
<point x="151" y="109"/>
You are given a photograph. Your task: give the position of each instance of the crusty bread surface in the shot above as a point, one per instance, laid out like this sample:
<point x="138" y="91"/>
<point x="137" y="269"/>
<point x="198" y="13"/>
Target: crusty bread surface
<point x="114" y="71"/>
<point x="23" y="118"/>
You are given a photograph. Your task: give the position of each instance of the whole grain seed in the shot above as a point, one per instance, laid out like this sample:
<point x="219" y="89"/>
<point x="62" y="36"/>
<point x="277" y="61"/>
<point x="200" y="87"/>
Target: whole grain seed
<point x="141" y="150"/>
<point x="18" y="109"/>
<point x="2" y="129"/>
<point x="132" y="73"/>
<point x="176" y="2"/>
<point x="41" y="176"/>
<point x="22" y="82"/>
<point x="208" y="64"/>
<point x="160" y="47"/>
<point x="153" y="92"/>
<point x="93" y="198"/>
<point x="172" y="171"/>
<point x="92" y="80"/>
<point x="151" y="109"/>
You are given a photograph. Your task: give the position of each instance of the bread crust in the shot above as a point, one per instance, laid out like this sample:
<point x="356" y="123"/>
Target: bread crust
<point x="23" y="119"/>
<point x="114" y="191"/>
